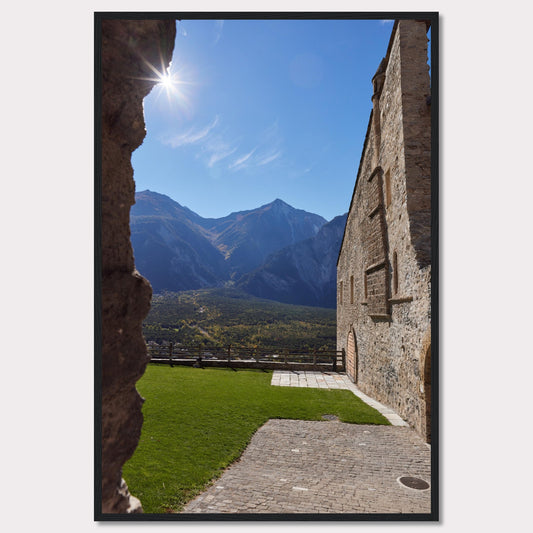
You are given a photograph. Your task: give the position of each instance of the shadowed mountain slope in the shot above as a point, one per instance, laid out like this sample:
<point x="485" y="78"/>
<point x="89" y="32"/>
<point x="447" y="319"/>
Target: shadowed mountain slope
<point x="304" y="273"/>
<point x="176" y="249"/>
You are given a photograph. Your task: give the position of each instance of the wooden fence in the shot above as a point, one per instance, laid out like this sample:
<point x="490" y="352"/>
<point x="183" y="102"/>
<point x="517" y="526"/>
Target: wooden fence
<point x="241" y="357"/>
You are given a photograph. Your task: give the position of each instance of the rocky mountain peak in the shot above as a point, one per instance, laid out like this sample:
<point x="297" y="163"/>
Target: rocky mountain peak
<point x="177" y="249"/>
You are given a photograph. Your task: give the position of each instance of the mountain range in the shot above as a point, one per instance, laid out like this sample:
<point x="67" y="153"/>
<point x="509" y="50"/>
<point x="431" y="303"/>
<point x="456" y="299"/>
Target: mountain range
<point x="274" y="251"/>
<point x="304" y="273"/>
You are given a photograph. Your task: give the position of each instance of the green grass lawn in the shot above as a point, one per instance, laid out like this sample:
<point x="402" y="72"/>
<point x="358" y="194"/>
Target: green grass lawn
<point x="198" y="421"/>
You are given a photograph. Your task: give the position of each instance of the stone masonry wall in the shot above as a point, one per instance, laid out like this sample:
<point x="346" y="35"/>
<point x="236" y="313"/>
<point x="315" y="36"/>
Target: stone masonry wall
<point x="127" y="46"/>
<point x="387" y="240"/>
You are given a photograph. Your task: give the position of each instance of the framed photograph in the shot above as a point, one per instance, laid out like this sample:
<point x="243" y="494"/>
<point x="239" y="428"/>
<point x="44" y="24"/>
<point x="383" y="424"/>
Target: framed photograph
<point x="266" y="272"/>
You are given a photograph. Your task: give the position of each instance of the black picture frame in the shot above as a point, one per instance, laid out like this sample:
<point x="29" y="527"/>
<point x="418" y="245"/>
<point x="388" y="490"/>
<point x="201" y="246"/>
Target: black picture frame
<point x="435" y="452"/>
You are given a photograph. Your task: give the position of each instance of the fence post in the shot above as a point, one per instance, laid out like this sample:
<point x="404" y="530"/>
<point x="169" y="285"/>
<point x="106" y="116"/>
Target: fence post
<point x="344" y="360"/>
<point x="335" y="362"/>
<point x="170" y="355"/>
<point x="314" y="358"/>
<point x="229" y="353"/>
<point x="199" y="358"/>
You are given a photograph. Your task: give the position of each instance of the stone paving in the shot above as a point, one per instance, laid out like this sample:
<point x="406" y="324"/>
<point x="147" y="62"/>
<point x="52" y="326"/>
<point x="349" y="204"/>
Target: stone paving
<point x="296" y="466"/>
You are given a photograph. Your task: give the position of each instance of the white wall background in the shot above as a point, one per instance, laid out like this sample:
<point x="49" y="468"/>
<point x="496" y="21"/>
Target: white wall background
<point x="46" y="221"/>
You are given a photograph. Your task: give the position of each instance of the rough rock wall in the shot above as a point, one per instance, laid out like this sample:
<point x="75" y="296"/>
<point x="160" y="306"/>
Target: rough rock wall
<point x="387" y="239"/>
<point x="126" y="47"/>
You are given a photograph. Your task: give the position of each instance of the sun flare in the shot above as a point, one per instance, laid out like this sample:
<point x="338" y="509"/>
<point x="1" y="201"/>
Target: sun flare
<point x="172" y="83"/>
<point x="167" y="80"/>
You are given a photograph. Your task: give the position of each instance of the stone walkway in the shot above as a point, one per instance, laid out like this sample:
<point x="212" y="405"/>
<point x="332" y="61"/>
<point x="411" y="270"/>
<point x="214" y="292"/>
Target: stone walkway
<point x="297" y="466"/>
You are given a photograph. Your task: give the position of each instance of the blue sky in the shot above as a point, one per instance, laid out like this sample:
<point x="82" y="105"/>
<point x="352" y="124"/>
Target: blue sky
<point x="262" y="109"/>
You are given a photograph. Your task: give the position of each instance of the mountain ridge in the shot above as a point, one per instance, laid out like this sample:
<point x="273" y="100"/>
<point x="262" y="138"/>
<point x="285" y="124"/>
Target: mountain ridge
<point x="177" y="249"/>
<point x="304" y="273"/>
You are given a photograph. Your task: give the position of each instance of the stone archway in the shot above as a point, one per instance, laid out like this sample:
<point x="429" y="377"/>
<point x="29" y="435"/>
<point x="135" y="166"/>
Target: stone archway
<point x="351" y="356"/>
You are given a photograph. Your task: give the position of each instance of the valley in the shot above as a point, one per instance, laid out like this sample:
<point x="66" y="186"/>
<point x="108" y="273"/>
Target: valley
<point x="218" y="316"/>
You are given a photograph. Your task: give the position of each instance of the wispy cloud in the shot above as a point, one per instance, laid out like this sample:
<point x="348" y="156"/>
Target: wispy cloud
<point x="268" y="158"/>
<point x="192" y="136"/>
<point x="386" y="21"/>
<point x="219" y="24"/>
<point x="214" y="144"/>
<point x="267" y="150"/>
<point x="241" y="161"/>
<point x="219" y="150"/>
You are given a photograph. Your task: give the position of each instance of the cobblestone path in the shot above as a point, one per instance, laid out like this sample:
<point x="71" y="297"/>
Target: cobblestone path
<point x="294" y="466"/>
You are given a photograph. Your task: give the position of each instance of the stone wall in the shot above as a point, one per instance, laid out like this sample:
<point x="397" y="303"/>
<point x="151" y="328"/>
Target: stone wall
<point x="387" y="239"/>
<point x="127" y="48"/>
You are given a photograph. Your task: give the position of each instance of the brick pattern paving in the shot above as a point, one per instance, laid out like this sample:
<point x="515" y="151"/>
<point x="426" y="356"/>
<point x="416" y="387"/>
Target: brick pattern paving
<point x="294" y="466"/>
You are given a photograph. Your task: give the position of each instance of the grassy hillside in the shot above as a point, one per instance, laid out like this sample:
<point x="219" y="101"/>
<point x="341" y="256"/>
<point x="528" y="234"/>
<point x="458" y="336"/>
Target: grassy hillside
<point x="228" y="316"/>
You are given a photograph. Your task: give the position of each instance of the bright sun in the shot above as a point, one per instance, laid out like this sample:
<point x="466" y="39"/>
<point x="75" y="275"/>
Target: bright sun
<point x="169" y="82"/>
<point x="166" y="81"/>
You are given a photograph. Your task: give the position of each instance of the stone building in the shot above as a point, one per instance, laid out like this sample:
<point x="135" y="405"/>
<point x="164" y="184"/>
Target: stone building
<point x="384" y="265"/>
